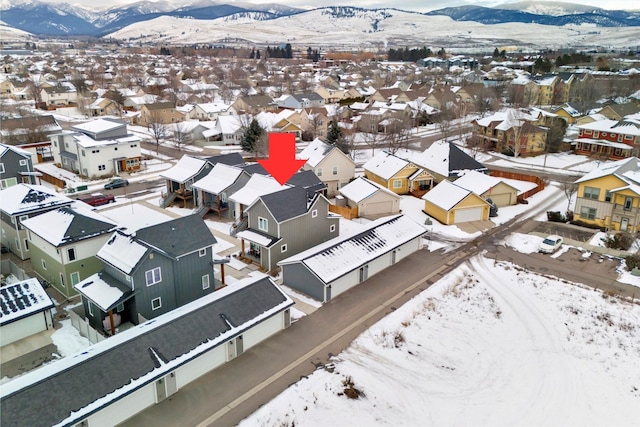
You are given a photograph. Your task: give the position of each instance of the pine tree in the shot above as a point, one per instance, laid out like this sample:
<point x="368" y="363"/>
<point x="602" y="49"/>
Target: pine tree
<point x="251" y="137"/>
<point x="336" y="137"/>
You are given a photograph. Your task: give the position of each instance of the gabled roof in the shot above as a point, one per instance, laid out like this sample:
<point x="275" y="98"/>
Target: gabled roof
<point x="69" y="224"/>
<point x="385" y="165"/>
<point x="47" y="122"/>
<point x="316" y="151"/>
<point x="22" y="299"/>
<point x="339" y="256"/>
<point x="479" y="183"/>
<point x="24" y="198"/>
<point x="186" y="168"/>
<point x="231" y="159"/>
<point x="4" y="148"/>
<point x="218" y="179"/>
<point x="287" y="203"/>
<point x="258" y="185"/>
<point x="122" y="252"/>
<point x="447" y="159"/>
<point x="308" y="180"/>
<point x="361" y="188"/>
<point x="177" y="237"/>
<point x="626" y="170"/>
<point x="104" y="291"/>
<point x="131" y="359"/>
<point x="446" y="195"/>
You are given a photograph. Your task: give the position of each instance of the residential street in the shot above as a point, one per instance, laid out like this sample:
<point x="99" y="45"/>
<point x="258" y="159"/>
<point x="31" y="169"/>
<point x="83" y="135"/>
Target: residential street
<point x="233" y="391"/>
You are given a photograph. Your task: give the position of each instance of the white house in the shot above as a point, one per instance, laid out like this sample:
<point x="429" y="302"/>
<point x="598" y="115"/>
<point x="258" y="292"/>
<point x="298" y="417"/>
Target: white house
<point x="329" y="163"/>
<point x="97" y="148"/>
<point x="329" y="269"/>
<point x="211" y="110"/>
<point x="25" y="310"/>
<point x="117" y="378"/>
<point x="372" y="200"/>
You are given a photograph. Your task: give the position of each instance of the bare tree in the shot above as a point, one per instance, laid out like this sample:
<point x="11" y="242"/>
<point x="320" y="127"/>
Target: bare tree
<point x="514" y="139"/>
<point x="157" y="128"/>
<point x="397" y="135"/>
<point x="373" y="140"/>
<point x="180" y="135"/>
<point x="569" y="188"/>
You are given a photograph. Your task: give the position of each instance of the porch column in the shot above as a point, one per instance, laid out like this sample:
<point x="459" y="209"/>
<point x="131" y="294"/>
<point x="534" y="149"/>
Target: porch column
<point x="242" y="246"/>
<point x="113" y="329"/>
<point x="222" y="274"/>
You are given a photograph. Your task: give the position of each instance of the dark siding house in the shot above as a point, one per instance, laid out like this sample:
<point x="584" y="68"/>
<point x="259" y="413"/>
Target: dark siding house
<point x="15" y="167"/>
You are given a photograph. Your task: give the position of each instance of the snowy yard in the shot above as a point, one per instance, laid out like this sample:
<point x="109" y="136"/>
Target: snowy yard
<point x="489" y="344"/>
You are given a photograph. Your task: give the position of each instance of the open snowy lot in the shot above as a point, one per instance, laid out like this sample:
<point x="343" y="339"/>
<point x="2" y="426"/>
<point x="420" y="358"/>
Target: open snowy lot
<point x="489" y="344"/>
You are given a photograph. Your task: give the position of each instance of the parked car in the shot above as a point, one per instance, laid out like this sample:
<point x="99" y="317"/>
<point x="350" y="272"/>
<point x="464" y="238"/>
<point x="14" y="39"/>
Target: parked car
<point x="5" y="250"/>
<point x="550" y="244"/>
<point x="116" y="183"/>
<point x="98" y="199"/>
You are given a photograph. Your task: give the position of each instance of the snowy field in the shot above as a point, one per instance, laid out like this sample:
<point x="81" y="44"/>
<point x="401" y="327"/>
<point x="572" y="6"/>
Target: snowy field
<point x="489" y="344"/>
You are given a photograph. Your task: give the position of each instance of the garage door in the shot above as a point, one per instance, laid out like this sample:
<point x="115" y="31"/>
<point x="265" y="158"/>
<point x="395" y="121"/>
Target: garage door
<point x="378" y="208"/>
<point x="469" y="214"/>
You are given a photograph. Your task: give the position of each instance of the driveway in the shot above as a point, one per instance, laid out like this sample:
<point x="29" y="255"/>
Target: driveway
<point x="568" y="231"/>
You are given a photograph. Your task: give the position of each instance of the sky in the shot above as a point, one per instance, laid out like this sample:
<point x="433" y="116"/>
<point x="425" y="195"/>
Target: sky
<point x="415" y="5"/>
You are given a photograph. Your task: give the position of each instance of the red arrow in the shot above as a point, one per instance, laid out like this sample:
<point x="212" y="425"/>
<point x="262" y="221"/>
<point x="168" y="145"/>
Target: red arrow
<point x="282" y="162"/>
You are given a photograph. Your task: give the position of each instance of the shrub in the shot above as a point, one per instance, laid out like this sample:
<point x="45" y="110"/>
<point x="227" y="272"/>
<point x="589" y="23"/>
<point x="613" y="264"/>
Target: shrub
<point x="633" y="261"/>
<point x="555" y="216"/>
<point x="350" y="389"/>
<point x="585" y="224"/>
<point x="622" y="241"/>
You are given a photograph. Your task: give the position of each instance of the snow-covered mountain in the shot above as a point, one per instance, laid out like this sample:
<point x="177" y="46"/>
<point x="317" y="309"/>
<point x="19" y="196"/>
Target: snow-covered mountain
<point x="362" y="28"/>
<point x="551" y="8"/>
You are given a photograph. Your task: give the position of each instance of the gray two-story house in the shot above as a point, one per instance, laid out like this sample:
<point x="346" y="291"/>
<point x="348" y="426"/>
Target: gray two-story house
<point x="285" y="222"/>
<point x="15" y="167"/>
<point x="150" y="272"/>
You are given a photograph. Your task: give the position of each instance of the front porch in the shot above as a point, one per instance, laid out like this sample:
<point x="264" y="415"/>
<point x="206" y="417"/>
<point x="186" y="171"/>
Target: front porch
<point x="94" y="335"/>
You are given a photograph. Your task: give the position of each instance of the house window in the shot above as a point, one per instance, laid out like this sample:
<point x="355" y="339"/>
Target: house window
<point x="202" y="252"/>
<point x="156" y="303"/>
<point x="397" y="183"/>
<point x="334" y="171"/>
<point x="319" y="171"/>
<point x="588" y="213"/>
<point x="314" y="213"/>
<point x="71" y="252"/>
<point x="26" y="245"/>
<point x="205" y="282"/>
<point x="153" y="276"/>
<point x="628" y="202"/>
<point x="283" y="248"/>
<point x="90" y="308"/>
<point x="55" y="143"/>
<point x="332" y="228"/>
<point x="83" y="155"/>
<point x="101" y="167"/>
<point x="591" y="193"/>
<point x="607" y="196"/>
<point x="263" y="224"/>
<point x="23" y="162"/>
<point x="44" y="264"/>
<point x="120" y="307"/>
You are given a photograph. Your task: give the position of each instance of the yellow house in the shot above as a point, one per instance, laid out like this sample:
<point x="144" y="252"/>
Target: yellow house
<point x="609" y="196"/>
<point x="391" y="172"/>
<point x="451" y="204"/>
<point x="160" y="112"/>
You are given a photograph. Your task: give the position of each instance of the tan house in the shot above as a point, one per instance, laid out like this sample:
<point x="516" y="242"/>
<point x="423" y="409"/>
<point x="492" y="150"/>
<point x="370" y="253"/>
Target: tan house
<point x="330" y="164"/>
<point x="451" y="204"/>
<point x="489" y="187"/>
<point x="58" y="96"/>
<point x="254" y="104"/>
<point x="315" y="121"/>
<point x="619" y="111"/>
<point x="371" y="200"/>
<point x="159" y="112"/>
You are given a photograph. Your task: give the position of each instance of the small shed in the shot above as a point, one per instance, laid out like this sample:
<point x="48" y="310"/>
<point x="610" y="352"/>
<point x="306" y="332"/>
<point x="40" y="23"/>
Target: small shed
<point x="25" y="310"/>
<point x="451" y="204"/>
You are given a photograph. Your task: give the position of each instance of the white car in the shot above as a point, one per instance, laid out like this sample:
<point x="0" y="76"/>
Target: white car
<point x="550" y="244"/>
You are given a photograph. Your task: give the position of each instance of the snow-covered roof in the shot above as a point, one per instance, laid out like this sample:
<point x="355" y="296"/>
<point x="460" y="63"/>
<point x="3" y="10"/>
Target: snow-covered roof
<point x="98" y="125"/>
<point x="479" y="183"/>
<point x="24" y="198"/>
<point x="69" y="224"/>
<point x="257" y="238"/>
<point x="186" y="168"/>
<point x="218" y="179"/>
<point x="4" y="148"/>
<point x="623" y="169"/>
<point x="361" y="188"/>
<point x="122" y="251"/>
<point x="385" y="165"/>
<point x="213" y="107"/>
<point x="258" y="185"/>
<point x="99" y="291"/>
<point x="446" y="195"/>
<point x="315" y="152"/>
<point x="22" y="299"/>
<point x="614" y="126"/>
<point x="339" y="256"/>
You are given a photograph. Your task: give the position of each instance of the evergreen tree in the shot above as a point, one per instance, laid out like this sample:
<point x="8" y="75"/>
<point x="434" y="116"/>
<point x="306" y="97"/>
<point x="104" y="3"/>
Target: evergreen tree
<point x="258" y="54"/>
<point x="251" y="137"/>
<point x="336" y="137"/>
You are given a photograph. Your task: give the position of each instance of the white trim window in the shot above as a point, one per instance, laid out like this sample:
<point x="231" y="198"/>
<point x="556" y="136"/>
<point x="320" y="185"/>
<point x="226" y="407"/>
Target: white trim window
<point x="205" y="282"/>
<point x="156" y="303"/>
<point x="397" y="183"/>
<point x="332" y="228"/>
<point x="263" y="224"/>
<point x="314" y="213"/>
<point x="283" y="248"/>
<point x="71" y="254"/>
<point x="202" y="252"/>
<point x="153" y="276"/>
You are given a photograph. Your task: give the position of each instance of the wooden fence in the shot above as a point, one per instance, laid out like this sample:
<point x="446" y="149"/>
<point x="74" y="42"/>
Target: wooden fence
<point x="522" y="177"/>
<point x="345" y="211"/>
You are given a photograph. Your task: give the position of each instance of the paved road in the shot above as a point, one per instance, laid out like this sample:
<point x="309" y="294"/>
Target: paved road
<point x="235" y="390"/>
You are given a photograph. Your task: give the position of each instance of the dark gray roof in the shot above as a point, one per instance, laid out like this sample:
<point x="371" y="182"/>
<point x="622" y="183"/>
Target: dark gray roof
<point x="52" y="399"/>
<point x="254" y="168"/>
<point x="311" y="96"/>
<point x="308" y="180"/>
<point x="286" y="204"/>
<point x="84" y="227"/>
<point x="178" y="236"/>
<point x="230" y="159"/>
<point x="459" y="160"/>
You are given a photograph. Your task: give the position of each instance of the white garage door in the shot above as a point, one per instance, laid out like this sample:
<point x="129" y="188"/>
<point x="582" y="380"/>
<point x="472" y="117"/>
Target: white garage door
<point x="466" y="215"/>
